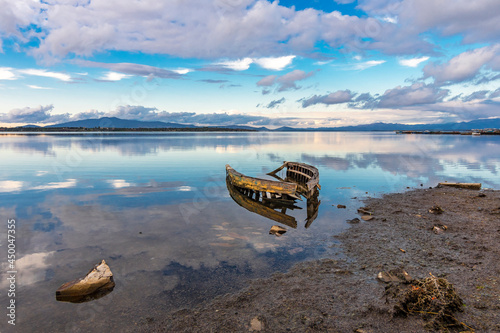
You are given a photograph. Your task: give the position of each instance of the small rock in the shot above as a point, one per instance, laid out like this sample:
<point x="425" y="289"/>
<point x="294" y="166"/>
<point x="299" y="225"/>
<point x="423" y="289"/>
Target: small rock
<point x="367" y="217"/>
<point x="277" y="230"/>
<point x="364" y="210"/>
<point x="256" y="325"/>
<point x="402" y="250"/>
<point x="481" y="195"/>
<point x="436" y="210"/>
<point x="437" y="230"/>
<point x="341" y="206"/>
<point x="395" y="275"/>
<point x="355" y="220"/>
<point x="98" y="281"/>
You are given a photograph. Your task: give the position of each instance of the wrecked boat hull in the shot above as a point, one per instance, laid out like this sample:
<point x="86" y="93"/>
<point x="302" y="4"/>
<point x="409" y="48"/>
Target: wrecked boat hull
<point x="261" y="185"/>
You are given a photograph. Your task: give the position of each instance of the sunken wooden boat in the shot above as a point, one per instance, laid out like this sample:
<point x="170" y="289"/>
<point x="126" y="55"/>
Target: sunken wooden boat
<point x="270" y="198"/>
<point x="262" y="186"/>
<point x="273" y="209"/>
<point x="304" y="175"/>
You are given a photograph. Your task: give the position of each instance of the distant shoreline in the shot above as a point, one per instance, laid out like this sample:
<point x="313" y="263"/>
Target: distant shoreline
<point x="111" y="129"/>
<point x="224" y="129"/>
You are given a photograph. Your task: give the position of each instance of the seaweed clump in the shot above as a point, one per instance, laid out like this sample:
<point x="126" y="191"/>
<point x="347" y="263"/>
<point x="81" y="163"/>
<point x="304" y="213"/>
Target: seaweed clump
<point x="435" y="300"/>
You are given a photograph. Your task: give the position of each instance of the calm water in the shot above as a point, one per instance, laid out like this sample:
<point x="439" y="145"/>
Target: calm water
<point x="156" y="208"/>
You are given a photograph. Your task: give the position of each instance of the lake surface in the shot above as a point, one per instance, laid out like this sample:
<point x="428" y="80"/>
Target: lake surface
<point x="155" y="206"/>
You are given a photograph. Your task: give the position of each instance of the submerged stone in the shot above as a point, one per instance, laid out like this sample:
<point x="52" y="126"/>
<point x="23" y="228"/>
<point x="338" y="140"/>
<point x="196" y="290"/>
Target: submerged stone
<point x="98" y="279"/>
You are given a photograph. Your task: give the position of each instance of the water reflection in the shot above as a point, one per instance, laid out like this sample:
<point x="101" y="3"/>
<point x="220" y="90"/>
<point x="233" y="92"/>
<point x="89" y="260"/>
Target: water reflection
<point x="263" y="206"/>
<point x="159" y="210"/>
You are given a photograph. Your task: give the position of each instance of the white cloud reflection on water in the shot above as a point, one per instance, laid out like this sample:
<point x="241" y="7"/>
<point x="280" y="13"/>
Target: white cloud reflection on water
<point x="11" y="185"/>
<point x="156" y="207"/>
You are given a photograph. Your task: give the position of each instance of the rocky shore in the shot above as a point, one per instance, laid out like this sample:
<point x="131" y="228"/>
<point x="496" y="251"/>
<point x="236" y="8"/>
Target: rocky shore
<point x="449" y="234"/>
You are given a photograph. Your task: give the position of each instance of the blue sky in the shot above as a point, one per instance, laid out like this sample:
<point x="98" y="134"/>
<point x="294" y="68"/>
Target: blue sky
<point x="263" y="63"/>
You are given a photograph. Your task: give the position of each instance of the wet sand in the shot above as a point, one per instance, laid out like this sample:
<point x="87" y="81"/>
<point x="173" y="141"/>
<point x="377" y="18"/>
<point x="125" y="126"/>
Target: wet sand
<point x="346" y="296"/>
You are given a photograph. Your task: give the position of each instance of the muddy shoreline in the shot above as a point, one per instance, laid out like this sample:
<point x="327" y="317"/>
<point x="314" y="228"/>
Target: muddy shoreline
<point x="346" y="296"/>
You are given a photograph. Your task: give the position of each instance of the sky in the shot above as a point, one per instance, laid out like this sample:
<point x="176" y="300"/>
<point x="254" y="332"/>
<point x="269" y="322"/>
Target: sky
<point x="316" y="63"/>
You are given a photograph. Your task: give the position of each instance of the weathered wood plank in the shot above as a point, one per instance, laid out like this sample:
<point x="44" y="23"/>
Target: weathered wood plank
<point x="469" y="186"/>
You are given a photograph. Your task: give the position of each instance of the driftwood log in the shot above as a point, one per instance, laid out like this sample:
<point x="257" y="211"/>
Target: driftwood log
<point x="469" y="186"/>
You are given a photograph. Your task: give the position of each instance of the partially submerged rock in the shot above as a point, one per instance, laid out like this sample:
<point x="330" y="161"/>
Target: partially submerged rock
<point x="341" y="206"/>
<point x="469" y="186"/>
<point x="277" y="230"/>
<point x="98" y="282"/>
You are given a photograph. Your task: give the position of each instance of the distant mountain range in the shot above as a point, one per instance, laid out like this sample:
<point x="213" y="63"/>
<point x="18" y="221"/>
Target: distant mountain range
<point x="113" y="122"/>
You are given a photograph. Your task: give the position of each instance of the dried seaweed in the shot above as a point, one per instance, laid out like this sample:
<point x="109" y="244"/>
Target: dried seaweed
<point x="435" y="300"/>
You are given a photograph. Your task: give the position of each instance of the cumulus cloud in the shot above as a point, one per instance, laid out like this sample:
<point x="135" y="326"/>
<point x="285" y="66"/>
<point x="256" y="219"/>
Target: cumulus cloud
<point x="476" y="21"/>
<point x="236" y="65"/>
<point x="414" y="62"/>
<point x="208" y="29"/>
<point x="277" y="63"/>
<point x="399" y="97"/>
<point x="284" y="82"/>
<point x="90" y="114"/>
<point x="465" y="66"/>
<point x="337" y="97"/>
<point x="416" y="94"/>
<point x="15" y="14"/>
<point x="40" y="114"/>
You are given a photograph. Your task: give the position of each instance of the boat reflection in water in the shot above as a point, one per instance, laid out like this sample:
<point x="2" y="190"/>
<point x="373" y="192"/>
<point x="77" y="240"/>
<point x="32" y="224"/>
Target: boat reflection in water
<point x="272" y="199"/>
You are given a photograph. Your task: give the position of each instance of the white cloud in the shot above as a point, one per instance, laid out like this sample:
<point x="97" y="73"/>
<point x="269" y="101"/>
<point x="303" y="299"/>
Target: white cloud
<point x="6" y="73"/>
<point x="237" y="65"/>
<point x="44" y="73"/>
<point x="182" y="71"/>
<point x="367" y="64"/>
<point x="39" y="114"/>
<point x="114" y="76"/>
<point x="276" y="64"/>
<point x="390" y="19"/>
<point x="285" y="82"/>
<point x="416" y="94"/>
<point x="208" y="29"/>
<point x="37" y="87"/>
<point x="32" y="268"/>
<point x="465" y="66"/>
<point x="337" y="97"/>
<point x="10" y="185"/>
<point x="414" y="62"/>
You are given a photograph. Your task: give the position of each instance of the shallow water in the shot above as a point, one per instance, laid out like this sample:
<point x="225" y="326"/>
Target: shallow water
<point x="156" y="207"/>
